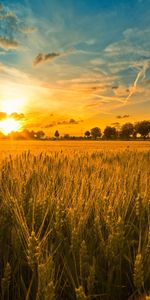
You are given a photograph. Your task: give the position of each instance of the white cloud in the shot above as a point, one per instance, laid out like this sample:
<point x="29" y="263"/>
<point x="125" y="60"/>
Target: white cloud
<point x="135" y="42"/>
<point x="90" y="42"/>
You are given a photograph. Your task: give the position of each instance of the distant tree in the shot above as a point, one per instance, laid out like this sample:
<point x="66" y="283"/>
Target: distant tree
<point x="143" y="128"/>
<point x="66" y="136"/>
<point x="32" y="134"/>
<point x="87" y="133"/>
<point x="110" y="132"/>
<point x="127" y="130"/>
<point x="40" y="135"/>
<point x="27" y="135"/>
<point x="96" y="133"/>
<point x="56" y="134"/>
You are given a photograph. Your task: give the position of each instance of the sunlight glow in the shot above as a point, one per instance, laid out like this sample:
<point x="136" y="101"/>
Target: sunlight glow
<point x="10" y="106"/>
<point x="9" y="125"/>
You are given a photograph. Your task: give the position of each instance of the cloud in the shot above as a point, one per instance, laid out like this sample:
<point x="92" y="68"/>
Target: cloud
<point x="141" y="74"/>
<point x="115" y="87"/>
<point x="27" y="29"/>
<point x="72" y="121"/>
<point x="125" y="48"/>
<point x="1" y="7"/>
<point x="123" y="117"/>
<point x="134" y="44"/>
<point x="41" y="58"/>
<point x="14" y="115"/>
<point x="49" y="125"/>
<point x="8" y="43"/>
<point x="2" y="116"/>
<point x="90" y="42"/>
<point x="10" y="16"/>
<point x="13" y="26"/>
<point x="67" y="122"/>
<point x="97" y="61"/>
<point x="116" y="124"/>
<point x="63" y="122"/>
<point x="17" y="116"/>
<point x="120" y="91"/>
<point x="92" y="105"/>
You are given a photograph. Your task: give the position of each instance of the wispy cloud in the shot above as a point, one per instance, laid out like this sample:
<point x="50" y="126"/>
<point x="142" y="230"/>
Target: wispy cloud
<point x="8" y="43"/>
<point x="27" y="29"/>
<point x="13" y="27"/>
<point x="63" y="122"/>
<point x="14" y="115"/>
<point x="123" y="48"/>
<point x="116" y="124"/>
<point x="41" y="58"/>
<point x="1" y="7"/>
<point x="122" y="117"/>
<point x="141" y="75"/>
<point x="90" y="42"/>
<point x="17" y="116"/>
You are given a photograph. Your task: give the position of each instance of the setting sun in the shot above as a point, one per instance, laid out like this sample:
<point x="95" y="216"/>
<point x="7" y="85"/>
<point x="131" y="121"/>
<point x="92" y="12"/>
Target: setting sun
<point x="9" y="125"/>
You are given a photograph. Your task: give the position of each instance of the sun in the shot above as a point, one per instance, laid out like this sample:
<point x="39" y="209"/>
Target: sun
<point x="8" y="125"/>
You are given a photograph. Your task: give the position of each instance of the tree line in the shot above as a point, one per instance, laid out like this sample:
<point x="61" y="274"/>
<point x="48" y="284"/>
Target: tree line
<point x="125" y="132"/>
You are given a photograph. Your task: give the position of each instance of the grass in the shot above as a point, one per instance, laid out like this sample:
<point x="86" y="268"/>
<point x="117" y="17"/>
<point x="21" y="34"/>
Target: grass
<point x="75" y="225"/>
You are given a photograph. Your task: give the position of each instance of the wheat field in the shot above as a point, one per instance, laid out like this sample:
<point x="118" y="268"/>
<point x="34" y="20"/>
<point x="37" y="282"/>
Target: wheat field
<point x="11" y="147"/>
<point x="75" y="220"/>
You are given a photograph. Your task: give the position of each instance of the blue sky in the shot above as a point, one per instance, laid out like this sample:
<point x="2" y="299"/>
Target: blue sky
<point x="75" y="59"/>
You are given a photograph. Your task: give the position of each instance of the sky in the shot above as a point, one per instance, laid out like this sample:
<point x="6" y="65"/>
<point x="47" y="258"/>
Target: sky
<point x="74" y="64"/>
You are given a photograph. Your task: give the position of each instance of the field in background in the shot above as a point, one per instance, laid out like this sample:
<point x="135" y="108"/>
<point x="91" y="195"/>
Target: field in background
<point x="16" y="147"/>
<point x="75" y="223"/>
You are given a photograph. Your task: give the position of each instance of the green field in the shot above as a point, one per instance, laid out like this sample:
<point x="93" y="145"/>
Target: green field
<point x="75" y="220"/>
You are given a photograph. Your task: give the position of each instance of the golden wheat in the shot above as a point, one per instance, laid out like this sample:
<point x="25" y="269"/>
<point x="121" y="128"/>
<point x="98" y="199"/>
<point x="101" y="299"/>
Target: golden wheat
<point x="75" y="225"/>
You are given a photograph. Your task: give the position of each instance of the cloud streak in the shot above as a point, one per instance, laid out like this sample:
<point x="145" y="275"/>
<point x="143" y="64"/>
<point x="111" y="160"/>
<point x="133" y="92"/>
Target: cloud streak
<point x="14" y="115"/>
<point x="1" y="7"/>
<point x="41" y="58"/>
<point x="141" y="74"/>
<point x="27" y="29"/>
<point x="7" y="44"/>
<point x="17" y="116"/>
<point x="13" y="27"/>
<point x="64" y="122"/>
<point x="122" y="117"/>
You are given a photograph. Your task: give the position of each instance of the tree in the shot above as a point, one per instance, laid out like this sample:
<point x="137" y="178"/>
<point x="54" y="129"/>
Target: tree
<point x="40" y="135"/>
<point x="87" y="133"/>
<point x="127" y="130"/>
<point x="66" y="136"/>
<point x="143" y="128"/>
<point x="96" y="133"/>
<point x="57" y="134"/>
<point x="110" y="132"/>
